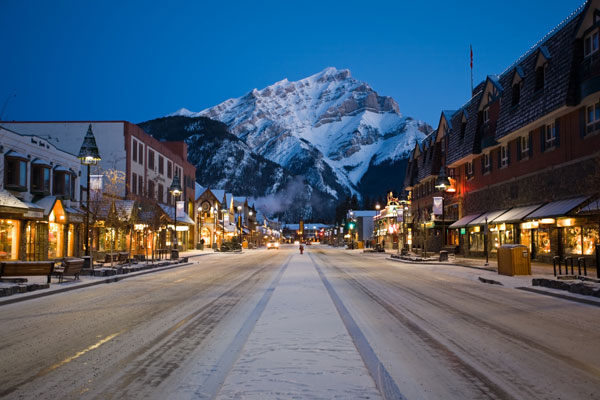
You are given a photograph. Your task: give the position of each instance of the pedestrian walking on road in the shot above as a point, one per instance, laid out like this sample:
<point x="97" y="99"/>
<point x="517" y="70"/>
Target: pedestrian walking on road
<point x="301" y="248"/>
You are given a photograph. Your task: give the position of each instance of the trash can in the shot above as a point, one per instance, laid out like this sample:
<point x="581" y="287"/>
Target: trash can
<point x="174" y="254"/>
<point x="443" y="255"/>
<point x="514" y="259"/>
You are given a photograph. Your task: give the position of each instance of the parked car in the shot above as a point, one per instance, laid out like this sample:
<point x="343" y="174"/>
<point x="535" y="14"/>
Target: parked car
<point x="273" y="244"/>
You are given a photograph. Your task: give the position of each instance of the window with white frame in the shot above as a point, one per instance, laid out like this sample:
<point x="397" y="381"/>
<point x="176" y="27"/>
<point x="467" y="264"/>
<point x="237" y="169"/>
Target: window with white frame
<point x="550" y="135"/>
<point x="503" y="156"/>
<point x="486" y="114"/>
<point x="486" y="163"/>
<point x="591" y="44"/>
<point x="524" y="146"/>
<point x="470" y="169"/>
<point x="592" y="117"/>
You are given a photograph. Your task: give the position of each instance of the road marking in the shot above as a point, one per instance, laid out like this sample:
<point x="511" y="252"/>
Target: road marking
<point x="78" y="354"/>
<point x="179" y="280"/>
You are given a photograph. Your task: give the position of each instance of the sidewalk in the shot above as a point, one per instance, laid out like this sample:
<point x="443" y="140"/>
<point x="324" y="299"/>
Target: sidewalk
<point x="539" y="272"/>
<point x="86" y="280"/>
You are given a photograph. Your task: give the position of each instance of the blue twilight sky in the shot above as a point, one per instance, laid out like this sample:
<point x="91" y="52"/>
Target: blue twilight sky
<point x="138" y="60"/>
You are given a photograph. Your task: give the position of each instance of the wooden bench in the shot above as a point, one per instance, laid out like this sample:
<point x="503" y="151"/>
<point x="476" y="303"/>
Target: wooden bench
<point x="69" y="267"/>
<point x="27" y="268"/>
<point x="123" y="258"/>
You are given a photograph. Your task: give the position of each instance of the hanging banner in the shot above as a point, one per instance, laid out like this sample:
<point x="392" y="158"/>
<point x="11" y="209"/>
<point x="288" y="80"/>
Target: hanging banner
<point x="180" y="209"/>
<point x="96" y="183"/>
<point x="438" y="204"/>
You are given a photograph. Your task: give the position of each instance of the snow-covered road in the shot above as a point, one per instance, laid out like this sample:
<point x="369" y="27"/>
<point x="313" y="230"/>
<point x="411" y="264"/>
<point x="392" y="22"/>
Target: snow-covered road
<point x="279" y="325"/>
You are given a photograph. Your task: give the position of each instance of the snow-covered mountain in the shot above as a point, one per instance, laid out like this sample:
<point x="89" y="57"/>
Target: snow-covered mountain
<point x="329" y="128"/>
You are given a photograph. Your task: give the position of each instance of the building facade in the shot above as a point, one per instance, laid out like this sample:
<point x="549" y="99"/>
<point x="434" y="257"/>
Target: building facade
<point x="134" y="166"/>
<point x="40" y="216"/>
<point x="524" y="151"/>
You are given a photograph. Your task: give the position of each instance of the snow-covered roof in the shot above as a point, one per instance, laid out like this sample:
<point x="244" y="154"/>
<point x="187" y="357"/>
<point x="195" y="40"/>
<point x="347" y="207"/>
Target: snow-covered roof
<point x="8" y="200"/>
<point x="199" y="190"/>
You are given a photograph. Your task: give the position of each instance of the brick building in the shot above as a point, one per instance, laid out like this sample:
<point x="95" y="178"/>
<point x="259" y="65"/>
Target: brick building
<point x="524" y="152"/>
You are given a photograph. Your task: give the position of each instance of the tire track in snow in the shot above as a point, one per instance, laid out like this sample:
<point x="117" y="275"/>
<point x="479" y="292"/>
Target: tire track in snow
<point x="383" y="380"/>
<point x="212" y="385"/>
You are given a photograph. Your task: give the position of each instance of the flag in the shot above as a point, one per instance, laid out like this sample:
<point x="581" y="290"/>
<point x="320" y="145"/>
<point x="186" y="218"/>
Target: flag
<point x="471" y="47"/>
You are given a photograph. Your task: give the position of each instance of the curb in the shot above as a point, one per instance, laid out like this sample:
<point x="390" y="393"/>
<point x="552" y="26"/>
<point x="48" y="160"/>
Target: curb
<point x="99" y="282"/>
<point x="560" y="296"/>
<point x="439" y="263"/>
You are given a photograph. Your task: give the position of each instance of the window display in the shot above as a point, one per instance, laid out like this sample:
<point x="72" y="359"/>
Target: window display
<point x="543" y="241"/>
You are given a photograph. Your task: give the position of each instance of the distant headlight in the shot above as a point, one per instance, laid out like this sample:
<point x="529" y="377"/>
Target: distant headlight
<point x="276" y="244"/>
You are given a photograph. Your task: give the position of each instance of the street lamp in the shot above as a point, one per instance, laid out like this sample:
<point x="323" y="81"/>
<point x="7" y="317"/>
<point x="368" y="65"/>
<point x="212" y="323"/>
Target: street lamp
<point x="378" y="207"/>
<point x="239" y="222"/>
<point x="442" y="183"/>
<point x="176" y="191"/>
<point x="251" y="226"/>
<point x="223" y="232"/>
<point x="88" y="155"/>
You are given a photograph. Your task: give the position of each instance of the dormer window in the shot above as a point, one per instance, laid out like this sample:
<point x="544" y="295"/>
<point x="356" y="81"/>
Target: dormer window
<point x="516" y="93"/>
<point x="541" y="68"/>
<point x="486" y="114"/>
<point x="591" y="43"/>
<point x="540" y="77"/>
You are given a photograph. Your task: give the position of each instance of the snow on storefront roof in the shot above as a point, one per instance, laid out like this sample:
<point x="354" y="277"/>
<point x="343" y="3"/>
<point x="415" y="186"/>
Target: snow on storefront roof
<point x="516" y="214"/>
<point x="8" y="200"/>
<point x="490" y="215"/>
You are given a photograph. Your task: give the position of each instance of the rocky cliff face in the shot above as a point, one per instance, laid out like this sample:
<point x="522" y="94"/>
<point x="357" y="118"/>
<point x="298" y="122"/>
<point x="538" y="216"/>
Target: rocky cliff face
<point x="329" y="128"/>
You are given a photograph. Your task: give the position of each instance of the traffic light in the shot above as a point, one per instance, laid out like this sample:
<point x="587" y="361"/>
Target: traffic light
<point x="351" y="225"/>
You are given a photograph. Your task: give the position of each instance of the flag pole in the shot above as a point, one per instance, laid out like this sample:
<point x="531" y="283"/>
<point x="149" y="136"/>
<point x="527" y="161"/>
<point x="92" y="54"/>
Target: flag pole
<point x="471" y="48"/>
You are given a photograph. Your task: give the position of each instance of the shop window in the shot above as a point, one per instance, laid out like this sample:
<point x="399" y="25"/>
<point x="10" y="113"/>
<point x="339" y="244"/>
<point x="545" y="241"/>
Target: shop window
<point x="15" y="176"/>
<point x="543" y="241"/>
<point x="581" y="240"/>
<point x="40" y="180"/>
<point x="591" y="44"/>
<point x="8" y="239"/>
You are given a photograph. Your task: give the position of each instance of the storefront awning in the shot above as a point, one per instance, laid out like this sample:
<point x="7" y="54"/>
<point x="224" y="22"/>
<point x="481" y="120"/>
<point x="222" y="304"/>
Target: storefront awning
<point x="461" y="223"/>
<point x="516" y="214"/>
<point x="557" y="208"/>
<point x="10" y="203"/>
<point x="490" y="215"/>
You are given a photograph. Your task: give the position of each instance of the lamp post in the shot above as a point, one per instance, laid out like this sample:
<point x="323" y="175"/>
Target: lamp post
<point x="200" y="217"/>
<point x="223" y="231"/>
<point x="239" y="222"/>
<point x="88" y="155"/>
<point x="250" y="225"/>
<point x="404" y="205"/>
<point x="442" y="183"/>
<point x="377" y="208"/>
<point x="175" y="190"/>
